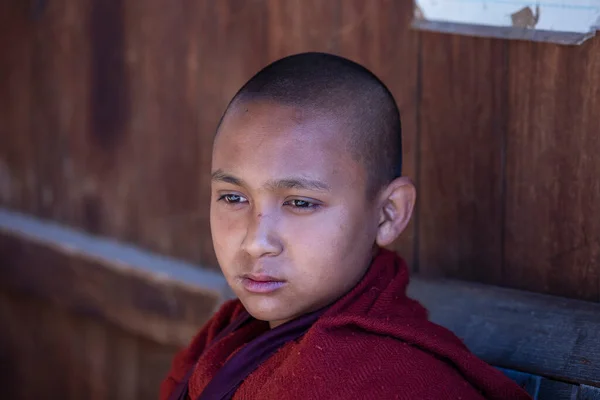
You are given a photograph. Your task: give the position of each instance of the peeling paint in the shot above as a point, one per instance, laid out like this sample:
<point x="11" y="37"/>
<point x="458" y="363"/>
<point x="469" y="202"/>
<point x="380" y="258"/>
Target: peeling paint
<point x="419" y="15"/>
<point x="525" y="18"/>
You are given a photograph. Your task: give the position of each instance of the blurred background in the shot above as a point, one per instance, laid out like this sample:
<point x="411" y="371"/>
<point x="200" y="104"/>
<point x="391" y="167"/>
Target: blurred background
<point x="107" y="113"/>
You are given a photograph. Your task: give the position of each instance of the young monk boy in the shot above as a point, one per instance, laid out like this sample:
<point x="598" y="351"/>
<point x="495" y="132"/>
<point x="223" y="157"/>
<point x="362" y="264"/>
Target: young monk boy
<point x="306" y="192"/>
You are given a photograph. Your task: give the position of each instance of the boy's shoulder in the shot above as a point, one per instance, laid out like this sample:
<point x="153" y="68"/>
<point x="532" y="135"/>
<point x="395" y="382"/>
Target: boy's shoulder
<point x="386" y="355"/>
<point x="363" y="365"/>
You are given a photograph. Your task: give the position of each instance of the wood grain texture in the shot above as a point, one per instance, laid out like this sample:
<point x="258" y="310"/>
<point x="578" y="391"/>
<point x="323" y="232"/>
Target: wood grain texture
<point x="17" y="167"/>
<point x="552" y="186"/>
<point x="377" y="34"/>
<point x="462" y="120"/>
<point x="50" y="353"/>
<point x="302" y="25"/>
<point x="58" y="112"/>
<point x="549" y="336"/>
<point x="140" y="303"/>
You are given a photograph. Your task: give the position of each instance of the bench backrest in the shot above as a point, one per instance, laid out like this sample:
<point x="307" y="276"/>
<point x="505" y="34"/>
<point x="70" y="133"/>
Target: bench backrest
<point x="549" y="345"/>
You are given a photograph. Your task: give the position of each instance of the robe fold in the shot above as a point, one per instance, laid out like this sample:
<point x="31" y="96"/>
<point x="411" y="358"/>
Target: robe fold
<point x="373" y="343"/>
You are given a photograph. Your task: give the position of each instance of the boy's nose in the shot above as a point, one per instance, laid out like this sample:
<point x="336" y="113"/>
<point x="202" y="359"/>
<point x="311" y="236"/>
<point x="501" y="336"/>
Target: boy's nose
<point x="261" y="237"/>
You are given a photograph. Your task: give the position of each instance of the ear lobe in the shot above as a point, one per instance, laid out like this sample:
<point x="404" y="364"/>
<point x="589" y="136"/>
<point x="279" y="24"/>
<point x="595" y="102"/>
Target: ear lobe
<point x="396" y="210"/>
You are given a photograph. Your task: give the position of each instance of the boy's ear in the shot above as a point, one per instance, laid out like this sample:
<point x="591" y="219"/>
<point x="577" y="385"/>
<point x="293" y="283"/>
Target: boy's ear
<point x="397" y="204"/>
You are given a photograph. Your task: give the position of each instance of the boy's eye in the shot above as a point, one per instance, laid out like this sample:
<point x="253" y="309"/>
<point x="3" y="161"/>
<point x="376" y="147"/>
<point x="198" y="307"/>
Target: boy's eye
<point x="232" y="198"/>
<point x="301" y="204"/>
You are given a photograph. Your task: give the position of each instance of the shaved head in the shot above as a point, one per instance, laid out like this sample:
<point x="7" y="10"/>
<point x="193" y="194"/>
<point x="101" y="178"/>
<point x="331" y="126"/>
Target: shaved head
<point x="327" y="85"/>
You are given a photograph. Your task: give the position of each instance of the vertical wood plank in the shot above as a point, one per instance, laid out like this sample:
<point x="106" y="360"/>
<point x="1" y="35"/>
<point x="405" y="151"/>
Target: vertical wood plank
<point x="56" y="363"/>
<point x="377" y="34"/>
<point x="156" y="182"/>
<point x="553" y="191"/>
<point x="462" y="128"/>
<point x="10" y="374"/>
<point x="17" y="161"/>
<point x="126" y="377"/>
<point x="75" y="339"/>
<point x="96" y="350"/>
<point x="30" y="339"/>
<point x="296" y="26"/>
<point x="58" y="110"/>
<point x="154" y="363"/>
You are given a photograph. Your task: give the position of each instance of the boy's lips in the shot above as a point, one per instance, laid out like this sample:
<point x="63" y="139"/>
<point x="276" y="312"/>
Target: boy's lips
<point x="260" y="283"/>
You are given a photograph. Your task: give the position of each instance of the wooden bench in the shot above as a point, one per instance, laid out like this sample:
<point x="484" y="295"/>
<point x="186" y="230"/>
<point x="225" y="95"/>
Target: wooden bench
<point x="549" y="345"/>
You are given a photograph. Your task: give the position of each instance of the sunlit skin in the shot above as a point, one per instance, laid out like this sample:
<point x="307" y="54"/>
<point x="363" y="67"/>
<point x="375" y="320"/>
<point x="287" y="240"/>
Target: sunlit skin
<point x="292" y="225"/>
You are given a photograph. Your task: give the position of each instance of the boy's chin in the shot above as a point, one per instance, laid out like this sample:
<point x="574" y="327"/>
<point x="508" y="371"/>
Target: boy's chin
<point x="269" y="311"/>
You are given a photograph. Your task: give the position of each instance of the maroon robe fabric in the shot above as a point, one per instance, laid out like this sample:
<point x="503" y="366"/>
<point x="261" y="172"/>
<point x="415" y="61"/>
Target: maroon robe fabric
<point x="245" y="361"/>
<point x="373" y="343"/>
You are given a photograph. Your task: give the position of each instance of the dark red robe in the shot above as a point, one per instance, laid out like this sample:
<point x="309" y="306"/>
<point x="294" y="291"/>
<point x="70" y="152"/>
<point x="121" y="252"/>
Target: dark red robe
<point x="373" y="343"/>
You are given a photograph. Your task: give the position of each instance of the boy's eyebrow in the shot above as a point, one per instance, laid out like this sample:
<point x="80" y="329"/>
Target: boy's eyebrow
<point x="221" y="176"/>
<point x="275" y="184"/>
<point x="298" y="183"/>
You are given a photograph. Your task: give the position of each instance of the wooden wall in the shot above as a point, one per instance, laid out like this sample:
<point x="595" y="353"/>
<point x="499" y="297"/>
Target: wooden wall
<point x="47" y="352"/>
<point x="108" y="107"/>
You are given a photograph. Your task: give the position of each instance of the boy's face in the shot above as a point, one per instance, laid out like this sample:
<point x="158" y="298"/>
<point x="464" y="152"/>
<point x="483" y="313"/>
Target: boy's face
<point x="292" y="226"/>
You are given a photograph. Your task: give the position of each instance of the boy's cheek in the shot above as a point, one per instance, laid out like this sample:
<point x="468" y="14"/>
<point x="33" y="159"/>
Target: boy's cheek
<point x="227" y="234"/>
<point x="224" y="223"/>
